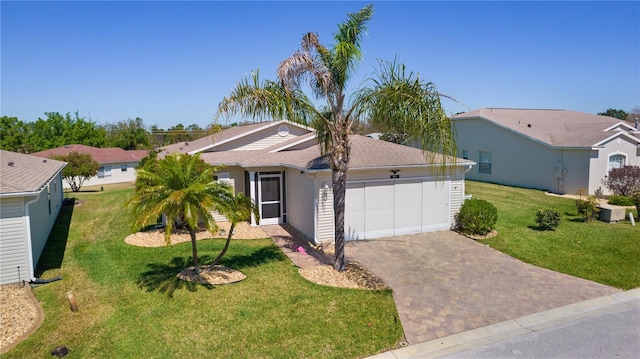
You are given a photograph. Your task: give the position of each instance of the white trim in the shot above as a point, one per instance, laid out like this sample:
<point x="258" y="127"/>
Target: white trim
<point x="28" y="235"/>
<point x="616" y="153"/>
<point x="621" y="123"/>
<point x="244" y="134"/>
<point x="617" y="134"/>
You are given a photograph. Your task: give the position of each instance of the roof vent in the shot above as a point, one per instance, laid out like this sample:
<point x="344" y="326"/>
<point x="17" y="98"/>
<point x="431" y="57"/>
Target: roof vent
<point x="529" y="125"/>
<point x="44" y="161"/>
<point x="11" y="164"/>
<point x="67" y="146"/>
<point x="186" y="143"/>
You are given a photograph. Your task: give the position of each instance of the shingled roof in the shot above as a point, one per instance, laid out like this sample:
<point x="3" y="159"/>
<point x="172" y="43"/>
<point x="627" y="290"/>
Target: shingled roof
<point x="100" y="155"/>
<point x="26" y="173"/>
<point x="556" y="128"/>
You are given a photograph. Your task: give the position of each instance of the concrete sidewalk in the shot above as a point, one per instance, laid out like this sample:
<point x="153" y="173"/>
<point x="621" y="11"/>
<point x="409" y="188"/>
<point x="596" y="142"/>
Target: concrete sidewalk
<point x="462" y="345"/>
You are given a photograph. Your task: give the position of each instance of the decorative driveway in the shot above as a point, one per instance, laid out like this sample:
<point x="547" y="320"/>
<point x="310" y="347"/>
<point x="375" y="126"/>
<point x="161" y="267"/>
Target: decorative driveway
<point x="444" y="283"/>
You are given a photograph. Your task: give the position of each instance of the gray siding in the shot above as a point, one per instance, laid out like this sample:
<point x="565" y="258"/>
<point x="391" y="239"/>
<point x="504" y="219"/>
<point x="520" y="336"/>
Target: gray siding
<point x="300" y="202"/>
<point x="13" y="241"/>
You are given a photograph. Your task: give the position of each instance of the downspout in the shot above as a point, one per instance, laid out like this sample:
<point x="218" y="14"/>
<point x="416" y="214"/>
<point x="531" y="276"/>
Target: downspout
<point x="32" y="265"/>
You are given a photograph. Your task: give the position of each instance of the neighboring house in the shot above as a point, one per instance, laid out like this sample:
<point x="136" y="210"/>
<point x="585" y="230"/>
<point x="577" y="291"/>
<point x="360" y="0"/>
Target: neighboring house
<point x="116" y="165"/>
<point x="391" y="189"/>
<point x="30" y="199"/>
<point x="554" y="150"/>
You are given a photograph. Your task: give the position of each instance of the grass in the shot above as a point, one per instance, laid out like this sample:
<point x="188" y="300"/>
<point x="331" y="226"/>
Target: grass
<point x="133" y="306"/>
<point x="607" y="253"/>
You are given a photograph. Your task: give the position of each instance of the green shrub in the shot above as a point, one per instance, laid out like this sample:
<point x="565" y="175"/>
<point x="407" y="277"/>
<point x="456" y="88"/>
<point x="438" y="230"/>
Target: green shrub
<point x="619" y="200"/>
<point x="586" y="206"/>
<point x="547" y="219"/>
<point x="476" y="216"/>
<point x="636" y="201"/>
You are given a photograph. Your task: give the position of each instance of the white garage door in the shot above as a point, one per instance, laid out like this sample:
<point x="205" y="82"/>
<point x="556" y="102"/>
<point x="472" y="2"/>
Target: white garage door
<point x="386" y="208"/>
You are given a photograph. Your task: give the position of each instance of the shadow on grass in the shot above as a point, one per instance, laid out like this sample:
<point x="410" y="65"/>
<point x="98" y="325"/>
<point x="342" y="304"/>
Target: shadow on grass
<point x="261" y="256"/>
<point x="53" y="252"/>
<point x="163" y="277"/>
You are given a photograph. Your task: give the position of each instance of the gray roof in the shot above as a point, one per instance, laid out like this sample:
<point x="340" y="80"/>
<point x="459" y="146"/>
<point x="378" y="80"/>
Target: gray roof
<point x="25" y="173"/>
<point x="556" y="128"/>
<point x="366" y="153"/>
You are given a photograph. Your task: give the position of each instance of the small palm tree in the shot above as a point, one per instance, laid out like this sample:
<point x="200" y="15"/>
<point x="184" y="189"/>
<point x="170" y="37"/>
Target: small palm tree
<point x="239" y="209"/>
<point x="182" y="188"/>
<point x="400" y="100"/>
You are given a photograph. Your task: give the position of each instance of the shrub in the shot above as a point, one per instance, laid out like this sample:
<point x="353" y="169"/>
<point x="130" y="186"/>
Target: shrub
<point x="623" y="181"/>
<point x="618" y="200"/>
<point x="636" y="200"/>
<point x="476" y="216"/>
<point x="586" y="206"/>
<point x="548" y="219"/>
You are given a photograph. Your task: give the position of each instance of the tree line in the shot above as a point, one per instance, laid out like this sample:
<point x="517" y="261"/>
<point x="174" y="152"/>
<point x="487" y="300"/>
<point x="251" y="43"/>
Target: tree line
<point x="57" y="130"/>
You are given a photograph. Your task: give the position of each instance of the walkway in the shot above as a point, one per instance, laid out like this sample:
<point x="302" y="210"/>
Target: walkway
<point x="445" y="283"/>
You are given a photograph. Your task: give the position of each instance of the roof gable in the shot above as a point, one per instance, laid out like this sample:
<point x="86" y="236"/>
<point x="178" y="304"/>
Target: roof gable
<point x="26" y="173"/>
<point x="256" y="136"/>
<point x="554" y="128"/>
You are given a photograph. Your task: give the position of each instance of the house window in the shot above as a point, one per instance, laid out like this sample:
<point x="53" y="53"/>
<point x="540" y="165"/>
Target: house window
<point x="484" y="162"/>
<point x="104" y="172"/>
<point x="616" y="161"/>
<point x="123" y="167"/>
<point x="222" y="176"/>
<point x="465" y="154"/>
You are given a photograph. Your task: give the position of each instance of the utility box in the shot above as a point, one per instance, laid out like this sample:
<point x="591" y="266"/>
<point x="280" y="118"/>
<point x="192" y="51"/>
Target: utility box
<point x="609" y="213"/>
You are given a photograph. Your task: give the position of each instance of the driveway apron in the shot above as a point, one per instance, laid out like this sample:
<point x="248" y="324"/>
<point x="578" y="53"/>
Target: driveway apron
<point x="444" y="283"/>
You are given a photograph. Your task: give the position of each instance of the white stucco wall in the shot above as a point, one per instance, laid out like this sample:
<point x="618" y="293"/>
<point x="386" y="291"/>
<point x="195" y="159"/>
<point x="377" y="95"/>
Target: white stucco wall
<point x="117" y="175"/>
<point x="599" y="161"/>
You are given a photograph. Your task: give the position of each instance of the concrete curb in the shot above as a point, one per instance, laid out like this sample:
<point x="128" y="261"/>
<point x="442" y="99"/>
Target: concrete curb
<point x="493" y="333"/>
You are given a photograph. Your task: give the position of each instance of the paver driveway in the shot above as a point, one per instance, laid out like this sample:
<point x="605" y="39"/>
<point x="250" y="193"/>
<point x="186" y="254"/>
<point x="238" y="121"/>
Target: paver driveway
<point x="444" y="283"/>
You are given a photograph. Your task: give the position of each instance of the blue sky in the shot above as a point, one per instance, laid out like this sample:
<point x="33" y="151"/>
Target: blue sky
<point x="172" y="62"/>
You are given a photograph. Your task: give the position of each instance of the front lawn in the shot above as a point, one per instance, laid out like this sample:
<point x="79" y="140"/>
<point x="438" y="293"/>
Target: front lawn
<point x="133" y="306"/>
<point x="608" y="253"/>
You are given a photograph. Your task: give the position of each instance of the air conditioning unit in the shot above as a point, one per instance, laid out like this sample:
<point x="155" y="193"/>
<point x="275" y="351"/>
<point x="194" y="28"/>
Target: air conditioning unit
<point x="609" y="213"/>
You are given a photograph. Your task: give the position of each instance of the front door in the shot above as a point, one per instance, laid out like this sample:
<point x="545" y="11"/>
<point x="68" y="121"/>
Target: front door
<point x="270" y="195"/>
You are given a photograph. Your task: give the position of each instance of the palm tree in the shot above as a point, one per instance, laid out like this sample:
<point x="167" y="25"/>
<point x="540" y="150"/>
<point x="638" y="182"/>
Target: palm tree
<point x="239" y="209"/>
<point x="182" y="188"/>
<point x="392" y="97"/>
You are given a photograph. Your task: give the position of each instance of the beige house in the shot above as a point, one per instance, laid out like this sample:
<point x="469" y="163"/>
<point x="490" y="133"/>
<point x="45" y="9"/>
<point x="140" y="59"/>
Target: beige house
<point x="30" y="199"/>
<point x="116" y="165"/>
<point x="554" y="150"/>
<point x="391" y="189"/>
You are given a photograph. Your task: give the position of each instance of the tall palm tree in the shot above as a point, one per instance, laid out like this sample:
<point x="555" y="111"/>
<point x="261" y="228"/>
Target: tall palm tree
<point x="392" y="96"/>
<point x="182" y="188"/>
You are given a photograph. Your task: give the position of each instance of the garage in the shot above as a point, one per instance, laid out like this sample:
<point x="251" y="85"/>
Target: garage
<point x="381" y="208"/>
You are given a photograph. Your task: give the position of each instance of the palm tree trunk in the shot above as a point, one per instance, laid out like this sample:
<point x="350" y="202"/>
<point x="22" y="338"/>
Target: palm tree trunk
<point x="194" y="251"/>
<point x="339" y="179"/>
<point x="226" y="245"/>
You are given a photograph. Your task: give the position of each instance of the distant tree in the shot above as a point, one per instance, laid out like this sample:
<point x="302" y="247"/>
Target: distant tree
<point x="624" y="181"/>
<point x="80" y="167"/>
<point x="14" y="134"/>
<point x="634" y="115"/>
<point x="616" y="113"/>
<point x="128" y="135"/>
<point x="58" y="130"/>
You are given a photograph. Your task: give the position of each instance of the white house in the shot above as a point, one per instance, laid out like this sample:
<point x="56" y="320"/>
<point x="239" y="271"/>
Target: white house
<point x="555" y="150"/>
<point x="116" y="165"/>
<point x="30" y="199"/>
<point x="391" y="189"/>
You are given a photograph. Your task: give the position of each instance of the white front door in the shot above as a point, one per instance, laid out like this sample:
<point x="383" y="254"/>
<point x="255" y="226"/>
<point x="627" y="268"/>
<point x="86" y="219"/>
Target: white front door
<point x="270" y="198"/>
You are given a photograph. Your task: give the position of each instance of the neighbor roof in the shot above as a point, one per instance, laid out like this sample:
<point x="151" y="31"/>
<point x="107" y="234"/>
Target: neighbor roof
<point x="100" y="155"/>
<point x="25" y="173"/>
<point x="556" y="128"/>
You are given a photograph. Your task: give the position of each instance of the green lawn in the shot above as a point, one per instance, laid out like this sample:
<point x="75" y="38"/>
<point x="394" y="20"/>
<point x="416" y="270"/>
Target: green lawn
<point x="607" y="253"/>
<point x="132" y="305"/>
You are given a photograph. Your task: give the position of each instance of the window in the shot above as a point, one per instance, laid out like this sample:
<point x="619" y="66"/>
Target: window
<point x="484" y="162"/>
<point x="465" y="154"/>
<point x="104" y="171"/>
<point x="616" y="161"/>
<point x="221" y="176"/>
<point x="123" y="167"/>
